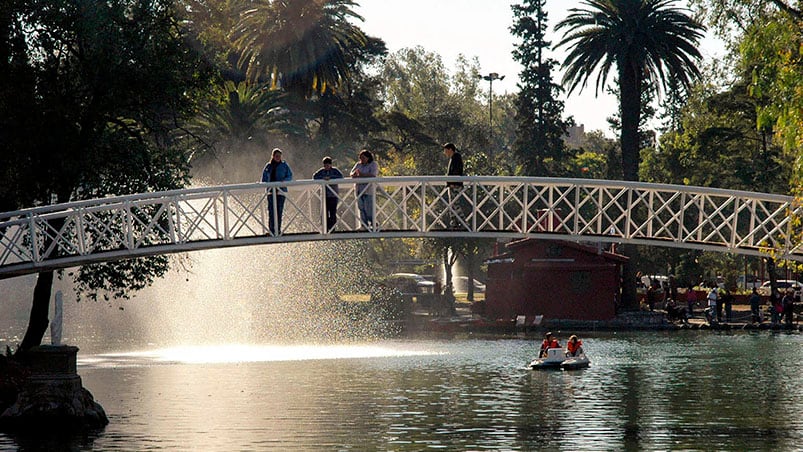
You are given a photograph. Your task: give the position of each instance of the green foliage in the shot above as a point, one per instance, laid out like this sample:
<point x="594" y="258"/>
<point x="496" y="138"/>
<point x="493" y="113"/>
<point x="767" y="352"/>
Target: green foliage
<point x="311" y="57"/>
<point x="93" y="95"/>
<point x="771" y="51"/>
<point x="426" y="106"/>
<point x="590" y="165"/>
<point x="302" y="46"/>
<point x="719" y="146"/>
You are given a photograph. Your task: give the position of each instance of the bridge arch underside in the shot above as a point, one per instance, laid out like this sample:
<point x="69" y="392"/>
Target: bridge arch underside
<point x="75" y="234"/>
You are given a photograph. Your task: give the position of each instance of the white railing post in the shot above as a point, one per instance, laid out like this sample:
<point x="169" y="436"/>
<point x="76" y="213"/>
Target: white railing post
<point x="226" y="234"/>
<point x="34" y="237"/>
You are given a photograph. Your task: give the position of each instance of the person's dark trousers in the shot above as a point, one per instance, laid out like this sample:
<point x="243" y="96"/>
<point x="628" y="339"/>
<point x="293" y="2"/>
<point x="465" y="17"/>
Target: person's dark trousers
<point x="279" y="209"/>
<point x="460" y="206"/>
<point x="331" y="212"/>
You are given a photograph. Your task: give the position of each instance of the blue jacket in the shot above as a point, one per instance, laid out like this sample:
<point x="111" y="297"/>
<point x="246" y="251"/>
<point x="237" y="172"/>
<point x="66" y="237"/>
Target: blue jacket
<point x="283" y="173"/>
<point x="332" y="173"/>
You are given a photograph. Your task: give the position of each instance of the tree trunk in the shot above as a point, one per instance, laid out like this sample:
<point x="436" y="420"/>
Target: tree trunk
<point x="629" y="295"/>
<point x="449" y="258"/>
<point x="470" y="275"/>
<point x="630" y="104"/>
<point x="773" y="276"/>
<point x="40" y="309"/>
<point x="447" y="267"/>
<point x="38" y="322"/>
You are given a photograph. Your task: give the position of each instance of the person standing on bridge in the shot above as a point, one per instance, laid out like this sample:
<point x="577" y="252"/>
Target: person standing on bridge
<point x="329" y="172"/>
<point x="454" y="168"/>
<point x="365" y="167"/>
<point x="276" y="170"/>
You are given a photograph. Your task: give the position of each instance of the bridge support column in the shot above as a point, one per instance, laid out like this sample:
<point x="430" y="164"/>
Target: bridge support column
<point x="52" y="396"/>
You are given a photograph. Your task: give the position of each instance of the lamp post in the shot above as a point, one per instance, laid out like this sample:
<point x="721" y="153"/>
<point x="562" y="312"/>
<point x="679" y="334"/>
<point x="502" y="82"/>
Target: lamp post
<point x="491" y="77"/>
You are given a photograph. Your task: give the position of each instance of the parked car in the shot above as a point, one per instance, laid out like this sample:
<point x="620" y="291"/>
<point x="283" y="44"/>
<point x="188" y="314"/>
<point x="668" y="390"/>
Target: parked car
<point x="783" y="285"/>
<point x="461" y="285"/>
<point x="659" y="281"/>
<point x="752" y="282"/>
<point x="411" y="283"/>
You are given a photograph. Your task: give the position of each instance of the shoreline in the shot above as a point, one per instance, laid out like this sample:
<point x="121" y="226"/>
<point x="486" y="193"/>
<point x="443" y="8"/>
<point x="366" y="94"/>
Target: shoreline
<point x="628" y="321"/>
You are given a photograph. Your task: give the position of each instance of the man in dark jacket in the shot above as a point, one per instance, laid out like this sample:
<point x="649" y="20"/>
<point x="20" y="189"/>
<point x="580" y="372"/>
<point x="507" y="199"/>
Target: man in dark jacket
<point x="455" y="168"/>
<point x="329" y="172"/>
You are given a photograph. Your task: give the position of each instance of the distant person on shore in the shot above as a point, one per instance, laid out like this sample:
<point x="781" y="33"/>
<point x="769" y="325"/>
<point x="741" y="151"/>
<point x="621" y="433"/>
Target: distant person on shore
<point x="276" y="170"/>
<point x="329" y="172"/>
<point x="755" y="302"/>
<point x="365" y="167"/>
<point x="713" y="302"/>
<point x="651" y="296"/>
<point x="720" y="301"/>
<point x="549" y="342"/>
<point x="675" y="312"/>
<point x="673" y="289"/>
<point x="574" y="347"/>
<point x="789" y="307"/>
<point x="691" y="301"/>
<point x="727" y="300"/>
<point x="776" y="308"/>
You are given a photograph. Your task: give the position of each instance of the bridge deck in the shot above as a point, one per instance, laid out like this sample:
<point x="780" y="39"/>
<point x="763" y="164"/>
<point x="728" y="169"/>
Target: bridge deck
<point x="67" y="235"/>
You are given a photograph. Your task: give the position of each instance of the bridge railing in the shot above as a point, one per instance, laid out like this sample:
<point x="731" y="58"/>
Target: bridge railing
<point x="515" y="207"/>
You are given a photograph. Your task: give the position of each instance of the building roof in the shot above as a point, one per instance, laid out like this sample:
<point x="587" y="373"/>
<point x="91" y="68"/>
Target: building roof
<point x="590" y="249"/>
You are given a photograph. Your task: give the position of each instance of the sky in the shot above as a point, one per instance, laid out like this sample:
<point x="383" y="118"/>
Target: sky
<point x="481" y="28"/>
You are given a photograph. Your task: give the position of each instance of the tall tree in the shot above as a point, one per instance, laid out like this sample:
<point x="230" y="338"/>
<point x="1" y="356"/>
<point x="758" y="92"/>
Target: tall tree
<point x="540" y="128"/>
<point x="425" y="105"/>
<point x="648" y="42"/>
<point x="96" y="92"/>
<point x="645" y="40"/>
<point x="771" y="53"/>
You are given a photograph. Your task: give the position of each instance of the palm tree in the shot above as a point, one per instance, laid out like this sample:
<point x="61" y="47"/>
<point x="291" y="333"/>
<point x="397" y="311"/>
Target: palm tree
<point x="303" y="46"/>
<point x="648" y="41"/>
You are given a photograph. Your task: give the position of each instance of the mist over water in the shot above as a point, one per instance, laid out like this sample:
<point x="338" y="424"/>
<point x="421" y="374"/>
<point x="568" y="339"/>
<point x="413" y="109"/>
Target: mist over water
<point x="270" y="294"/>
<point x="278" y="293"/>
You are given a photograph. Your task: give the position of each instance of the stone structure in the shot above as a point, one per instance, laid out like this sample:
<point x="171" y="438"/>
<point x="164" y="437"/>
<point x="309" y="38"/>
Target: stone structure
<point x="53" y="396"/>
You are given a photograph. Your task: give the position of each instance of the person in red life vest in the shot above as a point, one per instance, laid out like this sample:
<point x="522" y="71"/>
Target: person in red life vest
<point x="549" y="342"/>
<point x="574" y="347"/>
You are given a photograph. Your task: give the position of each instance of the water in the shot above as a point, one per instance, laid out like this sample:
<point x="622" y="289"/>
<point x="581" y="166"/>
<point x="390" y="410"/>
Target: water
<point x="644" y="391"/>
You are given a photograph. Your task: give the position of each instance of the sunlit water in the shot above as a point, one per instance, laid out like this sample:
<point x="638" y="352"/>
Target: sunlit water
<point x="644" y="391"/>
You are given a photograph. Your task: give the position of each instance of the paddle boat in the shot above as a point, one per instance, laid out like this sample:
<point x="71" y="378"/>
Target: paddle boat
<point x="556" y="359"/>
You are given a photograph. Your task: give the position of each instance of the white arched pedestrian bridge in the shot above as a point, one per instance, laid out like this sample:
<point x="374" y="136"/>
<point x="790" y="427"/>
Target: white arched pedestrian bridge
<point x="67" y="235"/>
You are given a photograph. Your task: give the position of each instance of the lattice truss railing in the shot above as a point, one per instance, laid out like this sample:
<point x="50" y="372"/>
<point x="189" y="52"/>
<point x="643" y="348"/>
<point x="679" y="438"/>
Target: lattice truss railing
<point x="71" y="234"/>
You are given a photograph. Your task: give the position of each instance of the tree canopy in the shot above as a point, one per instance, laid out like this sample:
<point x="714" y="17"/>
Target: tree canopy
<point x="647" y="42"/>
<point x="94" y="98"/>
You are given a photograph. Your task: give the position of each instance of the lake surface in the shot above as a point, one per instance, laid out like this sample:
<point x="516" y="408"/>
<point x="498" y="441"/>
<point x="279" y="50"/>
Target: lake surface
<point x="688" y="390"/>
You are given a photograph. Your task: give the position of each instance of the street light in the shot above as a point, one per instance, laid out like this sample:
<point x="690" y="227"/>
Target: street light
<point x="491" y="77"/>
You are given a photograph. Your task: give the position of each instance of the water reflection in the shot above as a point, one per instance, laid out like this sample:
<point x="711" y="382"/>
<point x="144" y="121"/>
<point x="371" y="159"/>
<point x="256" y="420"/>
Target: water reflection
<point x="645" y="391"/>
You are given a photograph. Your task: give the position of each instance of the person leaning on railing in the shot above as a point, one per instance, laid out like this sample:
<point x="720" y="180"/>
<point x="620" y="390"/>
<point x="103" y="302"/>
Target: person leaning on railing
<point x="365" y="167"/>
<point x="329" y="172"/>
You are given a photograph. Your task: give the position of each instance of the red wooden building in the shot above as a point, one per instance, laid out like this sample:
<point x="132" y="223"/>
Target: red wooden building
<point x="556" y="279"/>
